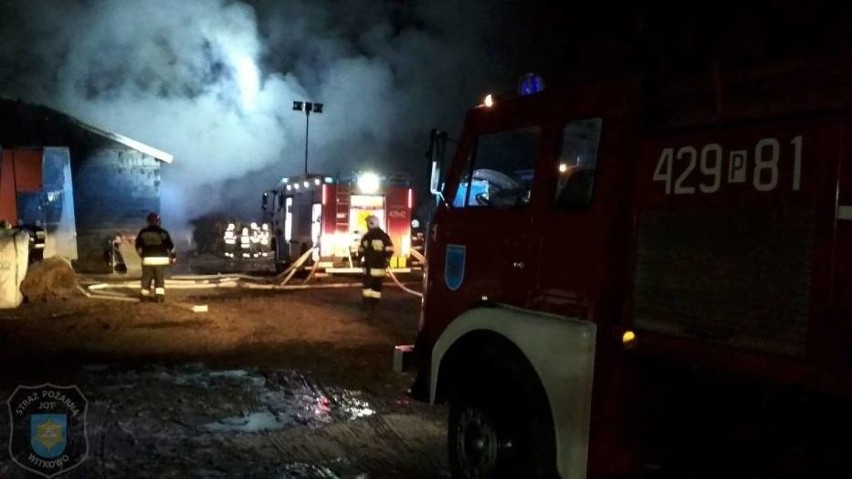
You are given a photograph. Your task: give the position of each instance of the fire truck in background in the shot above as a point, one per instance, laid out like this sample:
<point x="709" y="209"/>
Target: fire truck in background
<point x="330" y="214"/>
<point x="613" y="290"/>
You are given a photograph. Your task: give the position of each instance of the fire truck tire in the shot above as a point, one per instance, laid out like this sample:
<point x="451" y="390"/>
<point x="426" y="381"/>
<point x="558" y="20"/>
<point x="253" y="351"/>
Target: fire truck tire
<point x="500" y="427"/>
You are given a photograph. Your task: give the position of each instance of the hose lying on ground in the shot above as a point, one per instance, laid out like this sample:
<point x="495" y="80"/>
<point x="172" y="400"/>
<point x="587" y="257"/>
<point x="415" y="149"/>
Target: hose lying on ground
<point x="99" y="289"/>
<point x="402" y="287"/>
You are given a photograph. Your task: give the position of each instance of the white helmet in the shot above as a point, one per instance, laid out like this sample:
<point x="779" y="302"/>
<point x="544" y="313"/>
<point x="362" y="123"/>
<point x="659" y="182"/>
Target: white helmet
<point x="254" y="226"/>
<point x="245" y="231"/>
<point x="231" y="226"/>
<point x="264" y="227"/>
<point x="372" y="222"/>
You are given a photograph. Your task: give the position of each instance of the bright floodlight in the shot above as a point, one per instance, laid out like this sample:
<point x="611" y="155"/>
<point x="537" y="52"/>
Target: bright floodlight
<point x="368" y="183"/>
<point x="298" y="105"/>
<point x="489" y="101"/>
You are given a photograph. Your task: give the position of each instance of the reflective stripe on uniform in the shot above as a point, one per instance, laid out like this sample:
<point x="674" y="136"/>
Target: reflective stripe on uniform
<point x="377" y="245"/>
<point x="389" y="249"/>
<point x="146" y="292"/>
<point x="160" y="291"/>
<point x="369" y="293"/>
<point x="155" y="261"/>
<point x="377" y="272"/>
<point x="39" y="246"/>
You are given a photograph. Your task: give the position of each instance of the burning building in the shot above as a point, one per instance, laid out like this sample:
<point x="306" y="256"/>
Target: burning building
<point x="82" y="183"/>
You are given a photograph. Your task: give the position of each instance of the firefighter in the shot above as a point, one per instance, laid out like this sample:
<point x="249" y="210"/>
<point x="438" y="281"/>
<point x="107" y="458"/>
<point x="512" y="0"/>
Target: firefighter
<point x="155" y="247"/>
<point x="38" y="239"/>
<point x="245" y="243"/>
<point x="254" y="240"/>
<point x="112" y="254"/>
<point x="230" y="240"/>
<point x="265" y="245"/>
<point x="375" y="250"/>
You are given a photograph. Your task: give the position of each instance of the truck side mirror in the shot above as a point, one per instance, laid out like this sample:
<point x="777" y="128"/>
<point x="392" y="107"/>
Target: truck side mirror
<point x="265" y="201"/>
<point x="437" y="149"/>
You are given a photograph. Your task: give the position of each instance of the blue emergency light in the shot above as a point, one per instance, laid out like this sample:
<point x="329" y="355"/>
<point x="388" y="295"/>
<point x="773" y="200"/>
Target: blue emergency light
<point x="530" y="84"/>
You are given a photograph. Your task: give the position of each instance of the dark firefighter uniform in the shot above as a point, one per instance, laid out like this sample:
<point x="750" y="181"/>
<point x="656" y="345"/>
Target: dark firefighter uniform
<point x="157" y="251"/>
<point x="375" y="249"/>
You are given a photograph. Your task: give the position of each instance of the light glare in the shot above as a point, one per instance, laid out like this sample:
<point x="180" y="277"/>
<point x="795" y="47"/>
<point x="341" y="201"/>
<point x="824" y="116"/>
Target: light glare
<point x="249" y="80"/>
<point x="368" y="183"/>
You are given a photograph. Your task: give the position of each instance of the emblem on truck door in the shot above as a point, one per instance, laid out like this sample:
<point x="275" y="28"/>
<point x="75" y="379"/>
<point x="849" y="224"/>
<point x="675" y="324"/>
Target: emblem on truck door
<point x="454" y="266"/>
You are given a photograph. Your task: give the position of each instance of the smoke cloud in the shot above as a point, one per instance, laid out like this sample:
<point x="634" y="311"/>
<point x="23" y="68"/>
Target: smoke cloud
<point x="212" y="82"/>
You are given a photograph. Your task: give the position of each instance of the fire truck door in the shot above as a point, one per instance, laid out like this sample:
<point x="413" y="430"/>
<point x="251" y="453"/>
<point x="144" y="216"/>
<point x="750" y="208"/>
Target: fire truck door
<point x="479" y="263"/>
<point x="569" y="228"/>
<point x="486" y="235"/>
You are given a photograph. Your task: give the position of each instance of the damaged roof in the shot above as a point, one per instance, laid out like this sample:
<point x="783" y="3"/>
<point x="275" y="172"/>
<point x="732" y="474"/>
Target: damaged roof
<point x="26" y="124"/>
<point x="130" y="142"/>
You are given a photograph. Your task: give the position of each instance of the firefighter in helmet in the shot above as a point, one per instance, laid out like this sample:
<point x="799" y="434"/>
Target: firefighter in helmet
<point x="155" y="247"/>
<point x="230" y="239"/>
<point x="245" y="243"/>
<point x="254" y="240"/>
<point x="375" y="250"/>
<point x="265" y="240"/>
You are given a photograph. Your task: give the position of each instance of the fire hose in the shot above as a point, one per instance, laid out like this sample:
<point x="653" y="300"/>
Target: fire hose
<point x="402" y="286"/>
<point x="100" y="290"/>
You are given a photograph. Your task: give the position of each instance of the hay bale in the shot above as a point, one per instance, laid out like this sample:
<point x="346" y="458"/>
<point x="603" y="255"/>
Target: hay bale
<point x="50" y="279"/>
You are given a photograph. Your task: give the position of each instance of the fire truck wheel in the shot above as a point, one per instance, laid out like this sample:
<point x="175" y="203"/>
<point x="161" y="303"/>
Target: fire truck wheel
<point x="499" y="429"/>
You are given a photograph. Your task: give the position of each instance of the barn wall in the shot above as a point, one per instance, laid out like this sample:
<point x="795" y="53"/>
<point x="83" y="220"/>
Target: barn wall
<point x="114" y="189"/>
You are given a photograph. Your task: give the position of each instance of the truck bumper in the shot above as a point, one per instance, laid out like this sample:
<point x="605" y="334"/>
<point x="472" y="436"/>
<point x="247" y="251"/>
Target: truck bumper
<point x="403" y="358"/>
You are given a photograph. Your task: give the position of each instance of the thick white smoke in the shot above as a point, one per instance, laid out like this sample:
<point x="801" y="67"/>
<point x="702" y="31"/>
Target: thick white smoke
<point x="212" y="82"/>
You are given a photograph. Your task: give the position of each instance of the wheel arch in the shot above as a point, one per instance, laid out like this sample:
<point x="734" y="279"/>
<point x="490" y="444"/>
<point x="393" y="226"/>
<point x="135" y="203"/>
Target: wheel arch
<point x="557" y="352"/>
<point x="471" y="351"/>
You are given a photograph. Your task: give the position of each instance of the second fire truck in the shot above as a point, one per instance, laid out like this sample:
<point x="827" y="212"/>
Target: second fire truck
<point x="330" y="214"/>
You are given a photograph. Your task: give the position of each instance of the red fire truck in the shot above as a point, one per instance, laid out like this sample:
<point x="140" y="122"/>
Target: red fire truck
<point x="330" y="213"/>
<point x="612" y="291"/>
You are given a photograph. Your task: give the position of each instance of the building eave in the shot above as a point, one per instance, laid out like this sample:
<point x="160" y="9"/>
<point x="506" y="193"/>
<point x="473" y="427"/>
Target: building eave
<point x="129" y="142"/>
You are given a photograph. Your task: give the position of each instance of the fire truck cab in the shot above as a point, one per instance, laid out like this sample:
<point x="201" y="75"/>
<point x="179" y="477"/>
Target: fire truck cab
<point x="597" y="276"/>
<point x="329" y="214"/>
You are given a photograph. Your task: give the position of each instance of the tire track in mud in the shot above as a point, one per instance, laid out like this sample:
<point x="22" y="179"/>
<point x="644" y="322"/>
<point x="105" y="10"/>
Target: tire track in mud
<point x="379" y="446"/>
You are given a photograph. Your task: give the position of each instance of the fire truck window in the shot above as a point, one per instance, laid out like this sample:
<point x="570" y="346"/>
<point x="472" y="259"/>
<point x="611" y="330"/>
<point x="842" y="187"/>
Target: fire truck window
<point x="501" y="172"/>
<point x="576" y="163"/>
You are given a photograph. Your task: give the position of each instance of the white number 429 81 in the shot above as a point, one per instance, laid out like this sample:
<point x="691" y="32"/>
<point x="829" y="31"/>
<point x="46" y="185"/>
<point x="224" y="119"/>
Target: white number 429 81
<point x="711" y="160"/>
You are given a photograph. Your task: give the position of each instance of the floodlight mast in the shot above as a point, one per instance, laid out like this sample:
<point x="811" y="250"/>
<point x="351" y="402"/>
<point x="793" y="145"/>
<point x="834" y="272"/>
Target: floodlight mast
<point x="307" y="107"/>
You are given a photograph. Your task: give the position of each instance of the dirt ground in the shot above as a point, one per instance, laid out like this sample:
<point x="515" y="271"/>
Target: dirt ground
<point x="266" y="381"/>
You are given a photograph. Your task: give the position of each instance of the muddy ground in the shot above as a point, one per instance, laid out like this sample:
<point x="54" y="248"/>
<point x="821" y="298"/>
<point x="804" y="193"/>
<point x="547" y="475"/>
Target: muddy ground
<point x="264" y="384"/>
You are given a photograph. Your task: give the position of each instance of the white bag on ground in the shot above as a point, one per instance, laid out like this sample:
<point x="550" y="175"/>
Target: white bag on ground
<point x="14" y="251"/>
